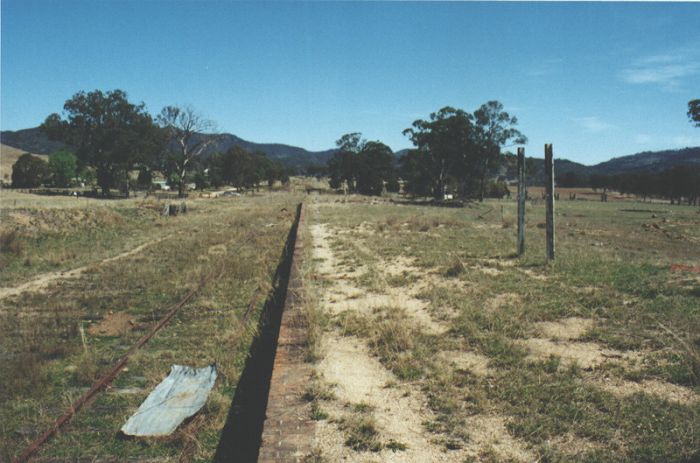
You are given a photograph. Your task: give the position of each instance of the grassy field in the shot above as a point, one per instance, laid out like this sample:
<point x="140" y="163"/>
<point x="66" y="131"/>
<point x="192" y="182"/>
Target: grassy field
<point x="69" y="326"/>
<point x="430" y="339"/>
<point x="439" y="344"/>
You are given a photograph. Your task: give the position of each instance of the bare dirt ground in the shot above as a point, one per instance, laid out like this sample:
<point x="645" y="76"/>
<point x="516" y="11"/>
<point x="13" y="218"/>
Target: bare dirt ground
<point x="114" y="324"/>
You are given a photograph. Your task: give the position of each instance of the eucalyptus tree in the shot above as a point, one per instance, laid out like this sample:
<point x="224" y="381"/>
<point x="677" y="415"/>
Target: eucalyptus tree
<point x="454" y="147"/>
<point x="445" y="142"/>
<point x="107" y="133"/>
<point x="365" y="166"/>
<point x="29" y="171"/>
<point x="63" y="167"/>
<point x="375" y="165"/>
<point x="343" y="166"/>
<point x="494" y="131"/>
<point x="694" y="111"/>
<point x="415" y="172"/>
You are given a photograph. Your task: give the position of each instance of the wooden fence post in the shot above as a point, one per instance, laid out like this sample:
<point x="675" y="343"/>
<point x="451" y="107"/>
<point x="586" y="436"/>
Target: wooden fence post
<point x="549" y="183"/>
<point x="521" y="201"/>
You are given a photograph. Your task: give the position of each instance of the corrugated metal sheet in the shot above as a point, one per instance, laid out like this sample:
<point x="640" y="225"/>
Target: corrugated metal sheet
<point x="180" y="395"/>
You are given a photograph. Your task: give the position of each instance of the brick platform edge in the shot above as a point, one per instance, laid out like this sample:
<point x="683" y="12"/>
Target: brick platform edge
<point x="288" y="431"/>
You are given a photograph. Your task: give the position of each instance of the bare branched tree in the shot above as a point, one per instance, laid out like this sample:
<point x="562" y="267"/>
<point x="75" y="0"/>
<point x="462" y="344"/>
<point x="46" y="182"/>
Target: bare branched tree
<point x="190" y="135"/>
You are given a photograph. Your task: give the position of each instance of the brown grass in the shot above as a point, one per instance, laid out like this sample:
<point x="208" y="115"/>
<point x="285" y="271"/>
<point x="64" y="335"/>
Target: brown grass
<point x="49" y="353"/>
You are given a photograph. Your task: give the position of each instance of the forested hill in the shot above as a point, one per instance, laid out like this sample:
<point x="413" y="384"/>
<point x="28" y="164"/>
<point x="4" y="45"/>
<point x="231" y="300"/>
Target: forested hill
<point x="648" y="161"/>
<point x="30" y="140"/>
<point x="34" y="141"/>
<point x="290" y="156"/>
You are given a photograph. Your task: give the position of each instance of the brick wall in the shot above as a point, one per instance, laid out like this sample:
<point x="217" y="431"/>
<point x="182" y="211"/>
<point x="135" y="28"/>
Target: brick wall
<point x="288" y="431"/>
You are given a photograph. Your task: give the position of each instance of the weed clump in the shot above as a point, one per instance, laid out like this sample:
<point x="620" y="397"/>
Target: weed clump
<point x="362" y="434"/>
<point x="87" y="369"/>
<point x="316" y="392"/>
<point x="392" y="337"/>
<point x="456" y="269"/>
<point x="10" y="242"/>
<point x="396" y="446"/>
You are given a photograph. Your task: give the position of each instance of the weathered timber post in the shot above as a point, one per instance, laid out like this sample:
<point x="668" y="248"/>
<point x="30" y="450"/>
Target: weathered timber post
<point x="549" y="183"/>
<point x="521" y="201"/>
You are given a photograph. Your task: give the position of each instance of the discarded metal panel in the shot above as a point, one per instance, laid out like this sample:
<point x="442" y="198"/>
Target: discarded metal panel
<point x="180" y="395"/>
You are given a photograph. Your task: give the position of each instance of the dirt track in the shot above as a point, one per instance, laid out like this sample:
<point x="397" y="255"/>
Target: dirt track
<point x="41" y="282"/>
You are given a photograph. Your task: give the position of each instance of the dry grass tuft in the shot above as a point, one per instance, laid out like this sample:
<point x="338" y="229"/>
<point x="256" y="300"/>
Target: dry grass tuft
<point x="392" y="336"/>
<point x="362" y="433"/>
<point x="421" y="224"/>
<point x="455" y="269"/>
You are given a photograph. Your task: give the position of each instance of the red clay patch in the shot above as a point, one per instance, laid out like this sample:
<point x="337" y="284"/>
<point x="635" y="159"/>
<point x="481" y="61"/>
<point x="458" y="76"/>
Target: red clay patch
<point x="114" y="324"/>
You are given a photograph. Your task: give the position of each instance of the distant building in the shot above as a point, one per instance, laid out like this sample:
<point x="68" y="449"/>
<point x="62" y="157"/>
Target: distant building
<point x="161" y="185"/>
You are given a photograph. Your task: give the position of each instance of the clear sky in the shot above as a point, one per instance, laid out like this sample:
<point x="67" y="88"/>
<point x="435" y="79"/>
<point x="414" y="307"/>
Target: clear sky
<point x="595" y="79"/>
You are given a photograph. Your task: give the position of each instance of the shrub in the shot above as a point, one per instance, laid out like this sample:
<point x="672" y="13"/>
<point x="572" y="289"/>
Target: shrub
<point x="29" y="172"/>
<point x="63" y="167"/>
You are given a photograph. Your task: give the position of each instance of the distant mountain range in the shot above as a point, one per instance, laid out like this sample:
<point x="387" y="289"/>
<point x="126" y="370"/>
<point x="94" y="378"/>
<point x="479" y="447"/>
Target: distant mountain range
<point x="34" y="141"/>
<point x="647" y="161"/>
<point x="290" y="156"/>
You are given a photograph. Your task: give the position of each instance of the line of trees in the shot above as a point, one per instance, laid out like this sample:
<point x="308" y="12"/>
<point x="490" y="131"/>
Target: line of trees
<point x="361" y="166"/>
<point x="239" y="168"/>
<point x="454" y="150"/>
<point x="60" y="171"/>
<point x="680" y="184"/>
<point x="112" y="137"/>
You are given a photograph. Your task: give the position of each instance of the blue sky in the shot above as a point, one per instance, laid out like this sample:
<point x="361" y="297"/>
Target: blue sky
<point x="595" y="79"/>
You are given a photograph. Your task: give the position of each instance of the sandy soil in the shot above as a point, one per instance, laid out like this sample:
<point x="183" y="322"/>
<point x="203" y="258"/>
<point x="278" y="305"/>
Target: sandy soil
<point x="566" y="328"/>
<point x="358" y="378"/>
<point x="588" y="355"/>
<point x="399" y="410"/>
<point x="662" y="389"/>
<point x="471" y="361"/>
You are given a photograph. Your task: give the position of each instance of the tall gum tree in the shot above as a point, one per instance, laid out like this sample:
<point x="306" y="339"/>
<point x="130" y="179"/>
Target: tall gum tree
<point x="107" y="133"/>
<point x="495" y="129"/>
<point x="445" y="142"/>
<point x="375" y="167"/>
<point x="344" y="165"/>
